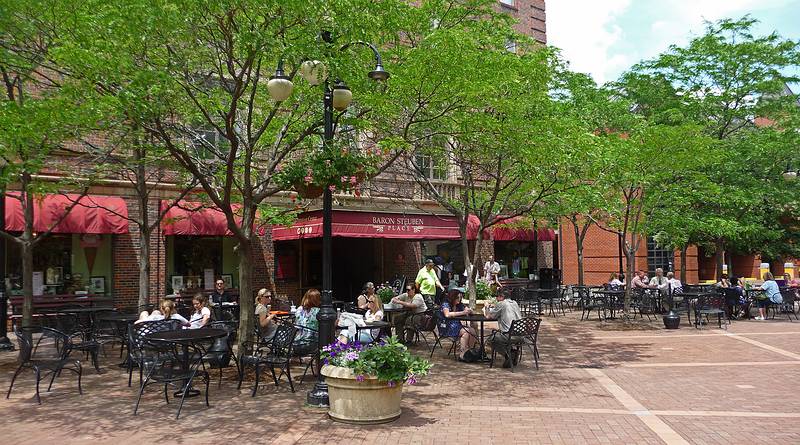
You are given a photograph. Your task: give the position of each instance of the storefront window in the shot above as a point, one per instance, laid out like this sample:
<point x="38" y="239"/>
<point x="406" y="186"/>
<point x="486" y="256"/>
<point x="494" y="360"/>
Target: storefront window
<point x="516" y="258"/>
<point x="194" y="260"/>
<point x="65" y="264"/>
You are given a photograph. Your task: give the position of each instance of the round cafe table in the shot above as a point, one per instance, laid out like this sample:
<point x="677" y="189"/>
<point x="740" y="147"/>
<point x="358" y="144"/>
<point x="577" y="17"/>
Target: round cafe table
<point x="186" y="337"/>
<point x="479" y="318"/>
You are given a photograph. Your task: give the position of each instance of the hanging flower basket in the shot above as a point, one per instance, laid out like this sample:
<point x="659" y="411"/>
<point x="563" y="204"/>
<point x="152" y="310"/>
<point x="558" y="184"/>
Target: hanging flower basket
<point x="308" y="191"/>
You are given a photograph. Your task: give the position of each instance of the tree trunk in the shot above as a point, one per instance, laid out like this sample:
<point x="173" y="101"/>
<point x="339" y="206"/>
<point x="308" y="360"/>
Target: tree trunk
<point x="683" y="262"/>
<point x="470" y="282"/>
<point x="720" y="252"/>
<point x="244" y="251"/>
<point x="630" y="258"/>
<point x="144" y="266"/>
<point x="473" y="286"/>
<point x="27" y="283"/>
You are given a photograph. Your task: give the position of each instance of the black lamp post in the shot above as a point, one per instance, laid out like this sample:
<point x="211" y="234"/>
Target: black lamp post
<point x="337" y="97"/>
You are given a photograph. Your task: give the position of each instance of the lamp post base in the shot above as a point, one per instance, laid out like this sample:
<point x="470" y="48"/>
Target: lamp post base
<point x="318" y="396"/>
<point x="5" y="344"/>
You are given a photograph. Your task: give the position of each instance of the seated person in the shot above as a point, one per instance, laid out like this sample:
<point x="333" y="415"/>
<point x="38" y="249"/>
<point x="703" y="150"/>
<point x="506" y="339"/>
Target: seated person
<point x="202" y="314"/>
<point x="453" y="307"/>
<point x="168" y="312"/>
<point x="614" y="282"/>
<point x="305" y="342"/>
<point x="374" y="313"/>
<point x="674" y="284"/>
<point x="266" y="321"/>
<point x="772" y="295"/>
<point x="220" y="295"/>
<point x="505" y="312"/>
<point x="412" y="300"/>
<point x="369" y="292"/>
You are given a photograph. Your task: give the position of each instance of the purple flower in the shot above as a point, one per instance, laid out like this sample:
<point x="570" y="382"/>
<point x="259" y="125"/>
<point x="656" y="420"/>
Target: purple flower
<point x="332" y="188"/>
<point x="333" y="353"/>
<point x="352" y="355"/>
<point x="360" y="378"/>
<point x="411" y="380"/>
<point x="325" y="362"/>
<point x="391" y="383"/>
<point x="326" y="348"/>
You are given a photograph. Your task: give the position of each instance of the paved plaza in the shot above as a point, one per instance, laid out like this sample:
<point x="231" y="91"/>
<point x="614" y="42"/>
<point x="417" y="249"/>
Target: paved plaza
<point x="598" y="382"/>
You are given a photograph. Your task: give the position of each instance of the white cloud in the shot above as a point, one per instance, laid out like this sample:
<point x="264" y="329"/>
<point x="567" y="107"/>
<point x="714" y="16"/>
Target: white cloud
<point x="591" y="33"/>
<point x="585" y="31"/>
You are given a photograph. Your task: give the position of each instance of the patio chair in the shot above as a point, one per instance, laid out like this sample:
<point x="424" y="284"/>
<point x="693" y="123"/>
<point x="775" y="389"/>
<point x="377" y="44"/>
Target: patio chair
<point x="141" y="351"/>
<point x="786" y="307"/>
<point x="708" y="305"/>
<point x="441" y="326"/>
<point x="219" y="354"/>
<point x="422" y="324"/>
<point x="167" y="368"/>
<point x="278" y="356"/>
<point x="53" y="364"/>
<point x="523" y="332"/>
<point x="589" y="304"/>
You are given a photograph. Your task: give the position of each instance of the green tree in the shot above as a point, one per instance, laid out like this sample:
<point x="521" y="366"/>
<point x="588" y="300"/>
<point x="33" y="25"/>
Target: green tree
<point x="726" y="81"/>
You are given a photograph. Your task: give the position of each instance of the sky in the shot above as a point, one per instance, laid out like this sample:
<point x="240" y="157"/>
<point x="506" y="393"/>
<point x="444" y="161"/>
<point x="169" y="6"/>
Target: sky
<point x="606" y="37"/>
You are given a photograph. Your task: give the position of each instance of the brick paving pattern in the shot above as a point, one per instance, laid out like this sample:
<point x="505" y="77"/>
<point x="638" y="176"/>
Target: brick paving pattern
<point x="598" y="383"/>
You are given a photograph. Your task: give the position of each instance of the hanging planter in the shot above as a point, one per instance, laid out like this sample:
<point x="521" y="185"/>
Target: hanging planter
<point x="308" y="191"/>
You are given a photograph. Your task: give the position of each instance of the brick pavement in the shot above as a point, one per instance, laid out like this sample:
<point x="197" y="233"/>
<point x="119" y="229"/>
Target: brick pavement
<point x="599" y="382"/>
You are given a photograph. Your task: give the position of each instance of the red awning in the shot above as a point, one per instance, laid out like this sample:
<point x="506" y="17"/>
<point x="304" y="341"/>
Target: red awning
<point x="195" y="218"/>
<point x="371" y="225"/>
<point x="400" y="226"/>
<point x="93" y="214"/>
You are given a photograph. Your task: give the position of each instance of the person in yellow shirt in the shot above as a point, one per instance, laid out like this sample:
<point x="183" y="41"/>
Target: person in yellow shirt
<point x="427" y="281"/>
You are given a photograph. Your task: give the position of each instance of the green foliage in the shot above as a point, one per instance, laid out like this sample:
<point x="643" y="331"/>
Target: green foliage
<point x="482" y="290"/>
<point x="388" y="360"/>
<point x="385" y="293"/>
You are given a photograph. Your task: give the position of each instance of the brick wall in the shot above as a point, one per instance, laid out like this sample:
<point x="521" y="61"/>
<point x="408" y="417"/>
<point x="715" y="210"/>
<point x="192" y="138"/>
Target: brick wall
<point x="530" y="15"/>
<point x="126" y="260"/>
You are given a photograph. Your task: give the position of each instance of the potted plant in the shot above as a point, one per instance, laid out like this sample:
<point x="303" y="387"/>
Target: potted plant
<point x="484" y="293"/>
<point x="385" y="293"/>
<point x="365" y="381"/>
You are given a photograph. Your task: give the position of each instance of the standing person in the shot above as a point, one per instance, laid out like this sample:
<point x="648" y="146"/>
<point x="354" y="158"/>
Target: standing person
<point x="366" y="295"/>
<point x="772" y="293"/>
<point x="202" y="314"/>
<point x="427" y="282"/>
<point x="505" y="312"/>
<point x="490" y="270"/>
<point x="413" y="301"/>
<point x="220" y="295"/>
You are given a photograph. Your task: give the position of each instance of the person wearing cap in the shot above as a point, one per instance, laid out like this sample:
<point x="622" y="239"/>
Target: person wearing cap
<point x="369" y="292"/>
<point x="505" y="311"/>
<point x="427" y="281"/>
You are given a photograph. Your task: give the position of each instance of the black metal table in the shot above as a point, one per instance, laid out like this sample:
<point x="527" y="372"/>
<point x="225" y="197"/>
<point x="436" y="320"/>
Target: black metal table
<point x="479" y="318"/>
<point x="392" y="312"/>
<point x="380" y="324"/>
<point x="608" y="296"/>
<point x="185" y="337"/>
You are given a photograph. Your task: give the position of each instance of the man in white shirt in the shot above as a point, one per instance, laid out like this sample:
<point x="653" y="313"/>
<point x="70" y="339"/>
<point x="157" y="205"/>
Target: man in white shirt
<point x="490" y="270"/>
<point x="675" y="284"/>
<point x="660" y="282"/>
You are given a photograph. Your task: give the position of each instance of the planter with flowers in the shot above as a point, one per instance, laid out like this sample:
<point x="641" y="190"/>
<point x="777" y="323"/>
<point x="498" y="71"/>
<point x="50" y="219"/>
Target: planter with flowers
<point x="340" y="167"/>
<point x="385" y="293"/>
<point x="365" y="381"/>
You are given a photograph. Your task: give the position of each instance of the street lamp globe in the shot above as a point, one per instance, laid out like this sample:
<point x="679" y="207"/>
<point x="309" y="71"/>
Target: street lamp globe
<point x="280" y="86"/>
<point x="342" y="96"/>
<point x="313" y="71"/>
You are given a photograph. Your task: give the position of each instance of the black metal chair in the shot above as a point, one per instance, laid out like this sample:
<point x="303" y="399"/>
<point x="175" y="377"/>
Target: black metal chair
<point x="422" y="324"/>
<point x="590" y="303"/>
<point x="708" y="305"/>
<point x="53" y="364"/>
<point x="167" y="368"/>
<point x="140" y="350"/>
<point x="442" y="328"/>
<point x="523" y="332"/>
<point x="219" y="354"/>
<point x="278" y="355"/>
<point x="785" y="307"/>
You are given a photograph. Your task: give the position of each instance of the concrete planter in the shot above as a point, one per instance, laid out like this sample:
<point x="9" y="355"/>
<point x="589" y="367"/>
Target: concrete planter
<point x="366" y="402"/>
